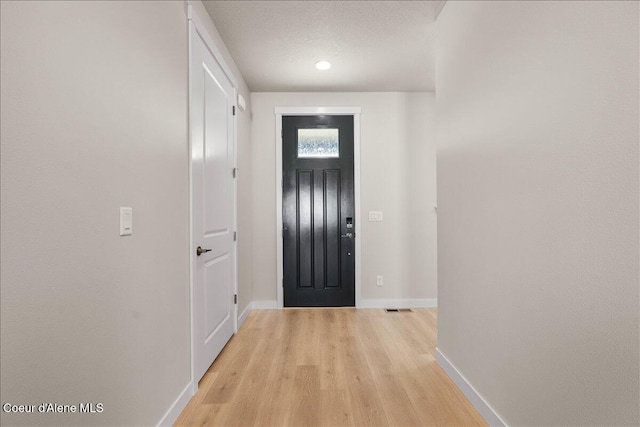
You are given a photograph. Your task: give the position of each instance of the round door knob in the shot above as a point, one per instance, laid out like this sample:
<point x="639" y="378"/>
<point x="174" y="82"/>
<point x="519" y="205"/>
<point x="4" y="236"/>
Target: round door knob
<point x="200" y="251"/>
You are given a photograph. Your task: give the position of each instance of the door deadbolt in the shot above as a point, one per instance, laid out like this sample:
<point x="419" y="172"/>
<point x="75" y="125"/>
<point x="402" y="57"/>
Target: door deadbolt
<point x="200" y="251"/>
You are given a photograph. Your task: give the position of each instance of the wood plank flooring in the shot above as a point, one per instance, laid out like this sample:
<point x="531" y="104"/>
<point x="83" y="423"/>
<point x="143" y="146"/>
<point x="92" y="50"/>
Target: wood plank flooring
<point x="330" y="367"/>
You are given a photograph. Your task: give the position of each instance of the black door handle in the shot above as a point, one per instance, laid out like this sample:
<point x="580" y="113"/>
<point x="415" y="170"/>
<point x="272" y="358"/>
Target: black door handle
<point x="200" y="251"/>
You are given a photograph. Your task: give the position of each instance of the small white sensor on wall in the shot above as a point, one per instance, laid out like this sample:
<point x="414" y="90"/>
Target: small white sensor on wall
<point x="242" y="105"/>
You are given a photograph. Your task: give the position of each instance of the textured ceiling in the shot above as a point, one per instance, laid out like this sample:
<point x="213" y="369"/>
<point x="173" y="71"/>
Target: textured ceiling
<point x="373" y="45"/>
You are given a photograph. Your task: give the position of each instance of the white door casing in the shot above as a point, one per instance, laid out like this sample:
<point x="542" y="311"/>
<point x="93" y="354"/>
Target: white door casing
<point x="313" y="111"/>
<point x="212" y="148"/>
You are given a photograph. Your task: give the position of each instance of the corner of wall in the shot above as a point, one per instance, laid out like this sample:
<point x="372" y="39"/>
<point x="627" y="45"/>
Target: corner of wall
<point x="475" y="398"/>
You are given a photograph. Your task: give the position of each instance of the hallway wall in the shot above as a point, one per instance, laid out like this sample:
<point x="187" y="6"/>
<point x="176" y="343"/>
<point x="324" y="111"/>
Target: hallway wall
<point x="398" y="178"/>
<point x="93" y="117"/>
<point x="538" y="224"/>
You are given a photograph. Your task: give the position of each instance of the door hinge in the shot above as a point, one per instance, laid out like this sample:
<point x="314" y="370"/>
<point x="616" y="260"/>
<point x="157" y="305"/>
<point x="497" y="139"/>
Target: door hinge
<point x="234" y="110"/>
<point x="234" y="172"/>
<point x="235" y="298"/>
<point x="235" y="236"/>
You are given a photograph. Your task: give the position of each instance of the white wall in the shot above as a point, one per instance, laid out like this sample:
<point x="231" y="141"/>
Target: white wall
<point x="94" y="117"/>
<point x="537" y="109"/>
<point x="398" y="178"/>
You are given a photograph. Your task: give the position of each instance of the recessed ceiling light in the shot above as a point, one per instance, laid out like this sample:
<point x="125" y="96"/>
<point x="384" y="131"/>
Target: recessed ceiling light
<point x="323" y="65"/>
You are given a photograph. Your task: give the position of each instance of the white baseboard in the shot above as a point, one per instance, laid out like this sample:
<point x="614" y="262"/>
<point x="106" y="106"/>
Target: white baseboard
<point x="398" y="303"/>
<point x="481" y="405"/>
<point x="365" y="303"/>
<point x="178" y="406"/>
<point x="244" y="314"/>
<point x="265" y="305"/>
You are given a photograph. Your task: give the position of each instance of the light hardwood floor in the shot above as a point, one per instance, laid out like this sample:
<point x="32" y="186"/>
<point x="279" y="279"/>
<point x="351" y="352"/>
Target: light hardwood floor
<point x="330" y="367"/>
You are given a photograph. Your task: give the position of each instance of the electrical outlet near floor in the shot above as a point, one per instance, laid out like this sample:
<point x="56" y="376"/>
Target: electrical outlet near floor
<point x="379" y="281"/>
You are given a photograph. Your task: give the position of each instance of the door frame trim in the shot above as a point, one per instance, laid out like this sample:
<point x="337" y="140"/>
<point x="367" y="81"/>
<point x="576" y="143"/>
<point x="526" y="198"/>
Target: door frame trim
<point x="199" y="28"/>
<point x="315" y="111"/>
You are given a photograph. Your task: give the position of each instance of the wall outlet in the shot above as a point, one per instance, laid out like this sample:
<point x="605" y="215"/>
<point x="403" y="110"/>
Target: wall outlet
<point x="379" y="281"/>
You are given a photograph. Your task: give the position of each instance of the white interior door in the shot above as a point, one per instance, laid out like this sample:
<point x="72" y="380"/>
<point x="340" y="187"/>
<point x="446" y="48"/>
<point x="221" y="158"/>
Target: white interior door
<point x="212" y="204"/>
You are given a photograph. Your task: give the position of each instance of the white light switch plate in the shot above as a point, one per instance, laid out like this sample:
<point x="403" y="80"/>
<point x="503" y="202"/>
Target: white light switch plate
<point x="126" y="221"/>
<point x="375" y="216"/>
